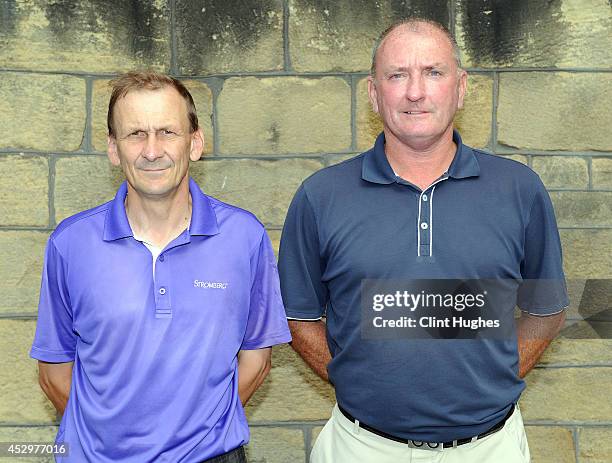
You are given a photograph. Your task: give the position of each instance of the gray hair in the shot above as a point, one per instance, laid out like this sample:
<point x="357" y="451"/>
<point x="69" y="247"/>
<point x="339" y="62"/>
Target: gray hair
<point x="413" y="24"/>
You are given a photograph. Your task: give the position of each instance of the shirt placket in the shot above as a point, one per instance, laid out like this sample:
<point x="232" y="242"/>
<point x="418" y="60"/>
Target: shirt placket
<point x="162" y="281"/>
<point x="425" y="220"/>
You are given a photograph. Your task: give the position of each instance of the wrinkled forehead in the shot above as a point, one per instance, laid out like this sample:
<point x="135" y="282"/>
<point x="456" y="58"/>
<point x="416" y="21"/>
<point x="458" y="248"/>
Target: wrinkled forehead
<point x="418" y="39"/>
<point x="151" y="104"/>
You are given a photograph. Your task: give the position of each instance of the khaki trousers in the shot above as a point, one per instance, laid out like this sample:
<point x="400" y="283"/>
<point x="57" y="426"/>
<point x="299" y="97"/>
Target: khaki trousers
<point x="341" y="441"/>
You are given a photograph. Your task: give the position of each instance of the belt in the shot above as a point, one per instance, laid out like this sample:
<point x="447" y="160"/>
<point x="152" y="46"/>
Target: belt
<point x="233" y="456"/>
<point x="429" y="445"/>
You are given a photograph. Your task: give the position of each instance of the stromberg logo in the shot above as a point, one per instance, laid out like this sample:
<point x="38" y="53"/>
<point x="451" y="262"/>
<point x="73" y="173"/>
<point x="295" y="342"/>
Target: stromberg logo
<point x="209" y="284"/>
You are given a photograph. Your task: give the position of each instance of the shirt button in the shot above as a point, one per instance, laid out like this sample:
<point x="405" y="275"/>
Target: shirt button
<point x="424" y="226"/>
<point x="162" y="290"/>
<point x="424" y="197"/>
<point x="161" y="258"/>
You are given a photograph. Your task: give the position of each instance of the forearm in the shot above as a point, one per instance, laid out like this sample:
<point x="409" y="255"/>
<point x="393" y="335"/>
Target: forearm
<point x="534" y="335"/>
<point x="310" y="342"/>
<point x="253" y="367"/>
<point x="55" y="380"/>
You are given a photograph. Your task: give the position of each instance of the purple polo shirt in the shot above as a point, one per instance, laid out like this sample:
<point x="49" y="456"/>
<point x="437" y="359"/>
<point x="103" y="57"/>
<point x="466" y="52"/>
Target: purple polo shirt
<point x="155" y="374"/>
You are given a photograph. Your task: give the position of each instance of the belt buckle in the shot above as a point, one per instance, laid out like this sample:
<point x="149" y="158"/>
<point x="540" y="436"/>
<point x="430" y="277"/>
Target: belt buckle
<point x="421" y="445"/>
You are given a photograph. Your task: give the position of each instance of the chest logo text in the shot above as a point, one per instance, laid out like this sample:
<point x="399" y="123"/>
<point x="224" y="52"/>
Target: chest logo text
<point x="209" y="284"/>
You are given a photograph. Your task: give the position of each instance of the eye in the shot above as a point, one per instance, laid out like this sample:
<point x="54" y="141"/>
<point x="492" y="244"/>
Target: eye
<point x="434" y="73"/>
<point x="396" y="75"/>
<point x="137" y="134"/>
<point x="167" y="132"/>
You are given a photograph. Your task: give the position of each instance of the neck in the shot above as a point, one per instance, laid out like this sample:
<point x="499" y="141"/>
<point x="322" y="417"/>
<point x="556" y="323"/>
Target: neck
<point x="159" y="220"/>
<point x="420" y="163"/>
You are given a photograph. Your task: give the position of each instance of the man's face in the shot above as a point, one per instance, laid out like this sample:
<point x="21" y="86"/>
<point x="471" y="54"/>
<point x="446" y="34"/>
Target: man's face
<point x="152" y="141"/>
<point x="417" y="88"/>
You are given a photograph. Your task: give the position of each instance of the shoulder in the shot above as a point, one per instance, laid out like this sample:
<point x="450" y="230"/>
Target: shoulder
<point x="343" y="170"/>
<point x="80" y="223"/>
<point x="502" y="168"/>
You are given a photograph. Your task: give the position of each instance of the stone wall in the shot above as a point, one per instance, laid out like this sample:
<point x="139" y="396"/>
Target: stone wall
<point x="280" y="90"/>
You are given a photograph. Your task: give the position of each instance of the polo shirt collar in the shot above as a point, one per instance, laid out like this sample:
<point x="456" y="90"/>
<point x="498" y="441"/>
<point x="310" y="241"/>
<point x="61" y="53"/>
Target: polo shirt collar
<point x="203" y="217"/>
<point x="376" y="167"/>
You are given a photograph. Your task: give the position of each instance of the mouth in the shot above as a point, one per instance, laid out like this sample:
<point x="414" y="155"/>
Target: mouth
<point x="153" y="171"/>
<point x="415" y="113"/>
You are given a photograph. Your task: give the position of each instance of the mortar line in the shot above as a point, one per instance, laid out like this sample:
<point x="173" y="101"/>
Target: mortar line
<point x="52" y="172"/>
<point x="353" y="84"/>
<point x="585" y="228"/>
<point x="590" y="172"/>
<point x="286" y="51"/>
<point x="18" y="316"/>
<point x="494" y="103"/>
<point x="305" y="73"/>
<point x="87" y="144"/>
<point x="216" y="86"/>
<point x="173" y="43"/>
<point x="576" y="439"/>
<point x="20" y="228"/>
<point x="452" y="17"/>
<point x="307" y="434"/>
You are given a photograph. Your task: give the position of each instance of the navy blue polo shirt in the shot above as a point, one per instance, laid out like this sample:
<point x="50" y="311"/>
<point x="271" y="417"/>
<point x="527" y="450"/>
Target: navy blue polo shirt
<point x="155" y="375"/>
<point x="486" y="218"/>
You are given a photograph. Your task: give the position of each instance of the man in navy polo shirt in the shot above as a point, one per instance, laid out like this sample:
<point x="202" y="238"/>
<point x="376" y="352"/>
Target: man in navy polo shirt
<point x="158" y="309"/>
<point x="420" y="206"/>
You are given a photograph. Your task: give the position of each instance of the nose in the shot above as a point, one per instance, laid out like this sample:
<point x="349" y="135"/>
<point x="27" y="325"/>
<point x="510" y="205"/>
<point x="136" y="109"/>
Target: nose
<point x="152" y="148"/>
<point x="415" y="88"/>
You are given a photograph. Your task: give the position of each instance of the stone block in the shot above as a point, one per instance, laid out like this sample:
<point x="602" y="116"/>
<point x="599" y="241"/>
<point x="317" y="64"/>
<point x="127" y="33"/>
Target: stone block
<point x="275" y="236"/>
<point x="595" y="445"/>
<point x="22" y="260"/>
<point x="332" y="159"/>
<point x="279" y="115"/>
<point x="21" y="399"/>
<point x="292" y="392"/>
<point x="523" y="159"/>
<point x="534" y="108"/>
<point x="582" y="208"/>
<point x="562" y="172"/>
<point x="83" y="182"/>
<point x="534" y="33"/>
<point x="275" y="445"/>
<point x="549" y="444"/>
<point x="568" y="395"/>
<point x="28" y="434"/>
<point x="264" y="188"/>
<point x="85" y="35"/>
<point x="41" y="112"/>
<point x="200" y="92"/>
<point x="215" y="36"/>
<point x="24" y="192"/>
<point x="475" y="119"/>
<point x="588" y="297"/>
<point x="328" y="35"/>
<point x="586" y="253"/>
<point x="601" y="171"/>
<point x="567" y="350"/>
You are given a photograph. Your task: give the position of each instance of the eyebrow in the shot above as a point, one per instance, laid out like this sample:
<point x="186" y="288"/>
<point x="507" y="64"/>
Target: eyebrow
<point x="428" y="66"/>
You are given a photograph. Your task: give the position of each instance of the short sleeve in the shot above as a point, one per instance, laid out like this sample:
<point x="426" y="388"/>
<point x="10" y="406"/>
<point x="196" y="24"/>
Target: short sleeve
<point x="300" y="265"/>
<point x="543" y="290"/>
<point x="55" y="340"/>
<point x="266" y="325"/>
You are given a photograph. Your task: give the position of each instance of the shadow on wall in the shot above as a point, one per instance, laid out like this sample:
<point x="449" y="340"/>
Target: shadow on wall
<point x="495" y="31"/>
<point x="134" y="18"/>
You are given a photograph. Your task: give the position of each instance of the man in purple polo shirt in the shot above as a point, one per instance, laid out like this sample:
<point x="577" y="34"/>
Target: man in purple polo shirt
<point x="158" y="309"/>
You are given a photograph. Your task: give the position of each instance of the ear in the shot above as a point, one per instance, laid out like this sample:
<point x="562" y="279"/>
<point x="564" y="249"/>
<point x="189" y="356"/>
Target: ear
<point x="373" y="94"/>
<point x="113" y="154"/>
<point x="197" y="145"/>
<point x="462" y="88"/>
